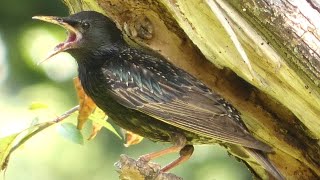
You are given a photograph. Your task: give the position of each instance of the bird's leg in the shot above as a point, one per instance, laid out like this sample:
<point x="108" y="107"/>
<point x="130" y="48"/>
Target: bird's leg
<point x="179" y="142"/>
<point x="185" y="154"/>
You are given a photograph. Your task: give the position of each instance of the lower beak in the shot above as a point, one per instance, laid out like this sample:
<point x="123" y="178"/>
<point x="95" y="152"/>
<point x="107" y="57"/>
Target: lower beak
<point x="74" y="35"/>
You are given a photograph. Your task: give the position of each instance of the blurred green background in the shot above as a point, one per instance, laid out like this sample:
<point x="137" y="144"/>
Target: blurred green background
<point x="48" y="156"/>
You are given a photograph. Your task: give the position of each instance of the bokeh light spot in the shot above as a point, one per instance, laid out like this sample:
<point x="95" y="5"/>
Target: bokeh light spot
<point x="36" y="43"/>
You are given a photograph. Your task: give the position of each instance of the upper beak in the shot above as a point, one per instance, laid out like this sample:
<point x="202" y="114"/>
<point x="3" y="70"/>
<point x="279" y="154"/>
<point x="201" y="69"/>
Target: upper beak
<point x="74" y="34"/>
<point x="56" y="20"/>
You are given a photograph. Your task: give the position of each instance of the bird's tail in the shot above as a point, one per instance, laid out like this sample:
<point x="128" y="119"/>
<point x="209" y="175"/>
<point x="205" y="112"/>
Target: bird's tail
<point x="264" y="161"/>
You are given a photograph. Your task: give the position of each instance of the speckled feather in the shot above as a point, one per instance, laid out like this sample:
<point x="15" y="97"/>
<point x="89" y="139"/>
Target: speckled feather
<point x="149" y="84"/>
<point x="144" y="93"/>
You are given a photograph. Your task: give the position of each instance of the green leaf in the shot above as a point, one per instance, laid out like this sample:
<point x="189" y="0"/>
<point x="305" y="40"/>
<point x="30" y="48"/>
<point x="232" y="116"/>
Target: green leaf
<point x="10" y="143"/>
<point x="6" y="144"/>
<point x="103" y="122"/>
<point x="37" y="106"/>
<point x="70" y="131"/>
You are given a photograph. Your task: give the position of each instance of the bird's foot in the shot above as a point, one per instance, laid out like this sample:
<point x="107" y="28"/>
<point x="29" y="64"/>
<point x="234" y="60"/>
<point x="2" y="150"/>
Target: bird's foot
<point x="185" y="154"/>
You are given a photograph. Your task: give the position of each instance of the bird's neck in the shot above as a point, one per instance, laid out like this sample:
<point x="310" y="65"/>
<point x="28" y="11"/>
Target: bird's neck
<point x="95" y="58"/>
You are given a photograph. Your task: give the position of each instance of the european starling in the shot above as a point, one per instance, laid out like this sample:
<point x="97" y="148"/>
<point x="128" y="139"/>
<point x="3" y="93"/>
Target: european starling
<point x="143" y="92"/>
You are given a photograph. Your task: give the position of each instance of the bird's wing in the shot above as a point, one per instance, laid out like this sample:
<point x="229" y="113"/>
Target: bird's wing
<point x="171" y="95"/>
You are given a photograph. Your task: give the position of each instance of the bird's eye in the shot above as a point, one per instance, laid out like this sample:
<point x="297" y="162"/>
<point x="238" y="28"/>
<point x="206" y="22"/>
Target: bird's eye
<point x="85" y="25"/>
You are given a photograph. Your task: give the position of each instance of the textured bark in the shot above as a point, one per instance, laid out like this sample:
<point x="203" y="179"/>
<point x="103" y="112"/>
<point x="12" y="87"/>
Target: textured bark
<point x="279" y="98"/>
<point x="129" y="168"/>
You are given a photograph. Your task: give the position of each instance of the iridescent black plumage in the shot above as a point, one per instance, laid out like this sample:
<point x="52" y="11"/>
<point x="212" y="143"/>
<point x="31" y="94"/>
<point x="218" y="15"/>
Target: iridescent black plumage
<point x="143" y="84"/>
<point x="144" y="93"/>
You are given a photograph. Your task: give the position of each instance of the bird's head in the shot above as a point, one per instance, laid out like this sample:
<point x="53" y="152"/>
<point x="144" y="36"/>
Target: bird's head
<point x="87" y="31"/>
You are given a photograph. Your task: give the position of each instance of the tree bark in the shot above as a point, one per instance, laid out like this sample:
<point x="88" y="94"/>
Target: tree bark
<point x="263" y="56"/>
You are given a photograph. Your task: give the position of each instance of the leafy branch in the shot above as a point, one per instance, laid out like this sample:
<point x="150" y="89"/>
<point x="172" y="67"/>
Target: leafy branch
<point x="10" y="143"/>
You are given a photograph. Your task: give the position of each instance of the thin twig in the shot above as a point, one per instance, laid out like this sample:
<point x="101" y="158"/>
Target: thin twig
<point x="40" y="127"/>
<point x="66" y="114"/>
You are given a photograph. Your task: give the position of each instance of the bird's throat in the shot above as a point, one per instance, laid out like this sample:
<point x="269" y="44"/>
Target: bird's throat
<point x="95" y="58"/>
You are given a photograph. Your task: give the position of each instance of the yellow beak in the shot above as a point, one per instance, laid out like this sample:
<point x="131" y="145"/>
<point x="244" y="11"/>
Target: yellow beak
<point x="74" y="35"/>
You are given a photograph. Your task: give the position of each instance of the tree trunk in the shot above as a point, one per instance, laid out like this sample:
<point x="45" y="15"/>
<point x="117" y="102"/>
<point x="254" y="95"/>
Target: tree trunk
<point x="262" y="56"/>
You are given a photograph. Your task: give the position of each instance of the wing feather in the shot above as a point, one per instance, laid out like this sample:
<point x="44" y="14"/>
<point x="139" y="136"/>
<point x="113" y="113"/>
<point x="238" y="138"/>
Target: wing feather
<point x="173" y="96"/>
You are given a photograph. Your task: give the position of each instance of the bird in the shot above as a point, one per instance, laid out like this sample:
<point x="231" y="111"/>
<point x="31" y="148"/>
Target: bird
<point x="141" y="91"/>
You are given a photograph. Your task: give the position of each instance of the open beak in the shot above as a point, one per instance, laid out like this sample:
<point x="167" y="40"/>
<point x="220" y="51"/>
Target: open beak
<point x="74" y="36"/>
